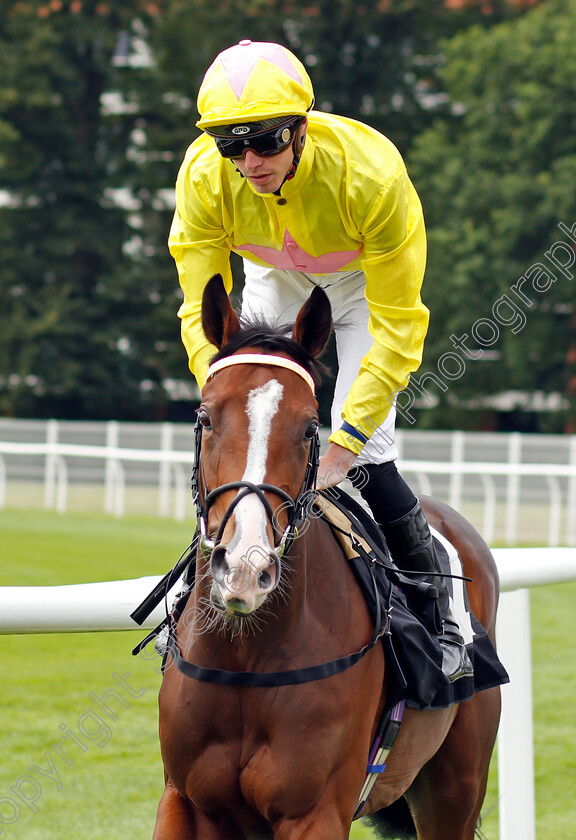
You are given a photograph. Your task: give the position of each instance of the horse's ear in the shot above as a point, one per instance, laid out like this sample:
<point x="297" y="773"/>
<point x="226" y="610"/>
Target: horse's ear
<point x="314" y="323"/>
<point x="219" y="321"/>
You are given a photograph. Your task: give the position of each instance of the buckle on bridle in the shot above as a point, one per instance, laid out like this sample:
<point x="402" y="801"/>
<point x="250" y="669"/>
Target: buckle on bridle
<point x="205" y="543"/>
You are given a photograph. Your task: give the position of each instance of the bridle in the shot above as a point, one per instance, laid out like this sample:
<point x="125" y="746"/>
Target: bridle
<point x="299" y="510"/>
<point x="299" y="507"/>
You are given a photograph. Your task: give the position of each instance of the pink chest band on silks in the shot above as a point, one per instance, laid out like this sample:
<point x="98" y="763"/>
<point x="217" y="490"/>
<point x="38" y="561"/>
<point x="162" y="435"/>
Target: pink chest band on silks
<point x="262" y="359"/>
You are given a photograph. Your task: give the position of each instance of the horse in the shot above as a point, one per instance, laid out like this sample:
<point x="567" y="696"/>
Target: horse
<point x="273" y="595"/>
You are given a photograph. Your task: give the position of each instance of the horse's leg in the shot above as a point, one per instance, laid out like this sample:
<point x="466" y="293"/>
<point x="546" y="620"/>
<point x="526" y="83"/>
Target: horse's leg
<point x="331" y="816"/>
<point x="177" y="820"/>
<point x="174" y="821"/>
<point x="324" y="825"/>
<point x="447" y="795"/>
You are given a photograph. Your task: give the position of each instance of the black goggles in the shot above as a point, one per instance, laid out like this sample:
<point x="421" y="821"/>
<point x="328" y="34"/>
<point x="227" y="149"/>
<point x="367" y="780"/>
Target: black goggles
<point x="266" y="144"/>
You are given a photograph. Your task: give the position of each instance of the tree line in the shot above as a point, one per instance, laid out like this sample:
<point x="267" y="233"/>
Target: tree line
<point x="97" y="107"/>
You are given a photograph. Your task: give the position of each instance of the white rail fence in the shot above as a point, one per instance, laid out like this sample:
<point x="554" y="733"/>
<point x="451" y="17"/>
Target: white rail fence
<point x="173" y="476"/>
<point x="107" y="606"/>
<point x="498" y="485"/>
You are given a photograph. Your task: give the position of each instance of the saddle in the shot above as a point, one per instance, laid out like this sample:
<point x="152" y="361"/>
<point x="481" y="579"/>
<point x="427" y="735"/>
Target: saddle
<point x="358" y="534"/>
<point x="411" y="642"/>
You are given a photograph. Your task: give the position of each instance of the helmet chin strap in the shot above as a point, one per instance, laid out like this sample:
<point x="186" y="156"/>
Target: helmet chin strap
<point x="290" y="174"/>
<point x="292" y="171"/>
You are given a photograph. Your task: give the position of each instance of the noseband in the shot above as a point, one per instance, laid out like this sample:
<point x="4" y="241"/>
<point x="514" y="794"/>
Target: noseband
<point x="298" y="507"/>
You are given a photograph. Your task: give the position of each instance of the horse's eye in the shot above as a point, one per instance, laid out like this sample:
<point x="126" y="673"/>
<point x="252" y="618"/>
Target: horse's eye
<point x="204" y="418"/>
<point x="311" y="429"/>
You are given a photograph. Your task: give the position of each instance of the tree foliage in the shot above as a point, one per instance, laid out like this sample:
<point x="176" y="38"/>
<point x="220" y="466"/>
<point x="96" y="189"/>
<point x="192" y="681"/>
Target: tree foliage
<point x="97" y="107"/>
<point x="496" y="183"/>
<point x="80" y="289"/>
<point x="376" y="62"/>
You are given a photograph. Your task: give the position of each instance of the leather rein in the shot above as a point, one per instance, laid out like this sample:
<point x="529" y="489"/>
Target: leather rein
<point x="299" y="510"/>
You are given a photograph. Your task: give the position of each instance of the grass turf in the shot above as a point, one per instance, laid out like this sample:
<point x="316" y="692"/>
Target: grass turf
<point x="103" y="778"/>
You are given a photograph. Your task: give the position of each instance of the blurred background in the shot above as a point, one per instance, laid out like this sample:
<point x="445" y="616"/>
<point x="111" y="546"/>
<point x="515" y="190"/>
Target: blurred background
<point x="98" y="105"/>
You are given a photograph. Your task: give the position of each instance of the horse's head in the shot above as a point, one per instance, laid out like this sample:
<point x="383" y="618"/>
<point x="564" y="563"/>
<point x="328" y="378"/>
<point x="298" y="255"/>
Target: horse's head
<point x="257" y="447"/>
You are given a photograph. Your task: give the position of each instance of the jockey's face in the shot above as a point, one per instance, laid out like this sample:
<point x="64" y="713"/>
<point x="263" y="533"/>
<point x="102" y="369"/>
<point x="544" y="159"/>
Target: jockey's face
<point x="266" y="174"/>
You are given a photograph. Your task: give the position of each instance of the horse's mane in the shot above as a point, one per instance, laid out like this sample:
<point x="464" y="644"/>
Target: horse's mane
<point x="269" y="338"/>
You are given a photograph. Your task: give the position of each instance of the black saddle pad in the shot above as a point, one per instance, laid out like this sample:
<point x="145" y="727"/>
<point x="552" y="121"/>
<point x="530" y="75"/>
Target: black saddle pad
<point x="414" y="653"/>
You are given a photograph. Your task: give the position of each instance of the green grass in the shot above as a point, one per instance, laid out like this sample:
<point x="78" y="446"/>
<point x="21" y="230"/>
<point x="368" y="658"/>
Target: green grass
<point x="111" y="790"/>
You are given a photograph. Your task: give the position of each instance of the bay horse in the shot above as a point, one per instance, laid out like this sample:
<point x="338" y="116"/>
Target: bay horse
<point x="274" y="595"/>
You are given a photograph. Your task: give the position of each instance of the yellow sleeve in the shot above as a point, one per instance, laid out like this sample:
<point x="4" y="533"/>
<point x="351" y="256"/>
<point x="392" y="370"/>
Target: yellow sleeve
<point x="393" y="264"/>
<point x="200" y="247"/>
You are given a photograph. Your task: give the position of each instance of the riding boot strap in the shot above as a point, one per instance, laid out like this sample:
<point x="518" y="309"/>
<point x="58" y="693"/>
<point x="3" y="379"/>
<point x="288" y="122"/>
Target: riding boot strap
<point x="413" y="548"/>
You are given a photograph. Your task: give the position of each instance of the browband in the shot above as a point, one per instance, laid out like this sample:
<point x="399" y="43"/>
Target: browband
<point x="261" y="359"/>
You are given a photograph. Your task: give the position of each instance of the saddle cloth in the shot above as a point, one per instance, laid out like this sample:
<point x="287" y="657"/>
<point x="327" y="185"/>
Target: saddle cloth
<point x="414" y="653"/>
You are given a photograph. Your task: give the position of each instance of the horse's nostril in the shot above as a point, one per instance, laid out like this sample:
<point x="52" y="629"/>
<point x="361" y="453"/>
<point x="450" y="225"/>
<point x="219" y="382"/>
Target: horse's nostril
<point x="219" y="564"/>
<point x="264" y="580"/>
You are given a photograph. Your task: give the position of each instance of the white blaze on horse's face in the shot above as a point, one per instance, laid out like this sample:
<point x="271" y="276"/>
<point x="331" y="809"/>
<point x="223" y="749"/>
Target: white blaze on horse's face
<point x="248" y="570"/>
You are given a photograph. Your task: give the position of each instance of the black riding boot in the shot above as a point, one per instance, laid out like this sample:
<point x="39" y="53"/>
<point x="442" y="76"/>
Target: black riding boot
<point x="412" y="548"/>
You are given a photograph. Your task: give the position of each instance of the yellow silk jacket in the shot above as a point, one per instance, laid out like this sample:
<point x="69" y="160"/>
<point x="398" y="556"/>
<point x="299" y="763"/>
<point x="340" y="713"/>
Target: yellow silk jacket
<point x="350" y="206"/>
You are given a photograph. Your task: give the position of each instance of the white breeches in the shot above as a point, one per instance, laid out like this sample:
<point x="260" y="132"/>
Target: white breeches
<point x="276" y="296"/>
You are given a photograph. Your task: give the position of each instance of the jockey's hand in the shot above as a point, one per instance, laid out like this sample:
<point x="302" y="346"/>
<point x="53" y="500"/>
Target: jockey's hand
<point x="334" y="466"/>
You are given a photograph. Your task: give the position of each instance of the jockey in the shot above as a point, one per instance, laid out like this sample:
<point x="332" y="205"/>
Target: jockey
<point x="308" y="198"/>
